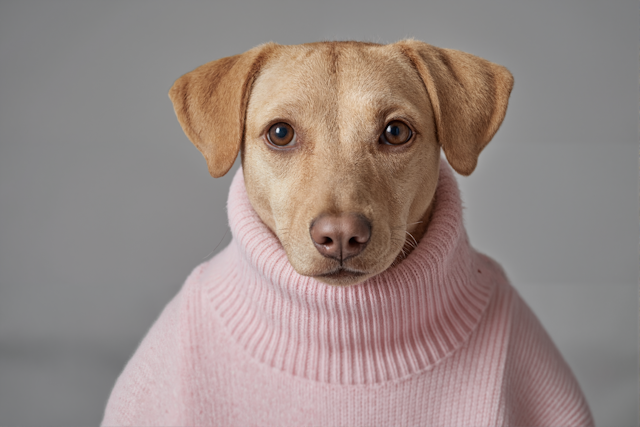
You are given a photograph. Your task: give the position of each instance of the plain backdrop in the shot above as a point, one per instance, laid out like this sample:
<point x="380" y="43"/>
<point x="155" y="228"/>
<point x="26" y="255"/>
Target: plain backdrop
<point x="105" y="206"/>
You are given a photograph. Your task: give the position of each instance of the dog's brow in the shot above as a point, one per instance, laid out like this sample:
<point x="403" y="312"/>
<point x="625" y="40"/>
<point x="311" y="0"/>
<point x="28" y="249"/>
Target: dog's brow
<point x="287" y="112"/>
<point x="395" y="111"/>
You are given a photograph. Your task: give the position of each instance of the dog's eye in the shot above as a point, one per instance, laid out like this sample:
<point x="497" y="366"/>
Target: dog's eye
<point x="396" y="133"/>
<point x="281" y="134"/>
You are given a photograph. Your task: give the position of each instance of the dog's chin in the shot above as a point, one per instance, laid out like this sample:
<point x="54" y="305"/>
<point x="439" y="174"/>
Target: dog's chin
<point x="343" y="277"/>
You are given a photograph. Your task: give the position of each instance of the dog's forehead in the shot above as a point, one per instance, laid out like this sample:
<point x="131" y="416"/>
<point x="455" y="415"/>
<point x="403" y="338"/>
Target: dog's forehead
<point x="335" y="75"/>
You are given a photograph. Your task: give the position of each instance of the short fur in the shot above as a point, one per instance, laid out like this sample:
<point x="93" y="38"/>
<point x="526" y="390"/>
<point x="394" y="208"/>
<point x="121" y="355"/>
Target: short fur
<point x="338" y="96"/>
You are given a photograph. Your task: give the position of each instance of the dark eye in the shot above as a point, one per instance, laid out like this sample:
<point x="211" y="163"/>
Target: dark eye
<point x="396" y="133"/>
<point x="281" y="134"/>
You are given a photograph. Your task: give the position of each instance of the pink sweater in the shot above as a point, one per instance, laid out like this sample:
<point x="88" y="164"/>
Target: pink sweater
<point x="442" y="339"/>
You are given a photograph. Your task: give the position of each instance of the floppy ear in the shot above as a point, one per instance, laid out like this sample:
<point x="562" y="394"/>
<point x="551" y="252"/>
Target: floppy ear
<point x="211" y="102"/>
<point x="469" y="96"/>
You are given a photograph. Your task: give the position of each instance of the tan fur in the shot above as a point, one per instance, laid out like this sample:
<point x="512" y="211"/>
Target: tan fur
<point x="338" y="96"/>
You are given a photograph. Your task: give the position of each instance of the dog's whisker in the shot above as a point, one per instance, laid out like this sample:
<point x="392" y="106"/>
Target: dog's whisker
<point x="412" y="238"/>
<point x="415" y="242"/>
<point x="409" y="246"/>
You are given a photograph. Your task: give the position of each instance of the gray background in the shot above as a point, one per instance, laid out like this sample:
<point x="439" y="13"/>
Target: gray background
<point x="105" y="206"/>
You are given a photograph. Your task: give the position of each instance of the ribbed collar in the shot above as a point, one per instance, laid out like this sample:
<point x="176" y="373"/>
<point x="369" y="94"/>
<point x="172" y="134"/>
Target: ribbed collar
<point x="398" y="323"/>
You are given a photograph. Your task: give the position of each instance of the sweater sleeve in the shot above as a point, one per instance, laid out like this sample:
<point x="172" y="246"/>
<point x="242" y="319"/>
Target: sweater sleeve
<point x="538" y="387"/>
<point x="148" y="392"/>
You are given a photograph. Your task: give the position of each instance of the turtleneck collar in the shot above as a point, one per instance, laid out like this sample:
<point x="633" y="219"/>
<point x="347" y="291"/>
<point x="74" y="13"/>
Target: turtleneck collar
<point x="401" y="322"/>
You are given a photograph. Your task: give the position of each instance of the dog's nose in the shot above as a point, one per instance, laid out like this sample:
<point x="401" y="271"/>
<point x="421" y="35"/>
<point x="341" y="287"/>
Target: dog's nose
<point x="340" y="236"/>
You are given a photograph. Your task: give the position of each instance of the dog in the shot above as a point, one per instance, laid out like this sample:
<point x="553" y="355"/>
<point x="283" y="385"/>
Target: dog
<point x="350" y="294"/>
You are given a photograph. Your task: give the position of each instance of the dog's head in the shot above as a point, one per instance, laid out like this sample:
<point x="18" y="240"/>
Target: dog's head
<point x="341" y="141"/>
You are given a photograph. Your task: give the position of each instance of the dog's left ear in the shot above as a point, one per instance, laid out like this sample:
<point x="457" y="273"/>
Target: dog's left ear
<point x="211" y="103"/>
<point x="469" y="96"/>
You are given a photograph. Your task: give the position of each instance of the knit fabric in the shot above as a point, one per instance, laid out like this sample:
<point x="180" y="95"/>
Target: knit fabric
<point x="441" y="339"/>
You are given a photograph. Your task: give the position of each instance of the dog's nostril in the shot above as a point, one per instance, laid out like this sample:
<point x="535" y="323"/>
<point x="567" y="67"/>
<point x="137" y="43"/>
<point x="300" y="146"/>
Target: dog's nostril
<point x="340" y="237"/>
<point x="354" y="241"/>
<point x="362" y="238"/>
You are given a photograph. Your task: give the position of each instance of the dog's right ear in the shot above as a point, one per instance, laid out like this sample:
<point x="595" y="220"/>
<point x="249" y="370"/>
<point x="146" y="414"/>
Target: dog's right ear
<point x="211" y="103"/>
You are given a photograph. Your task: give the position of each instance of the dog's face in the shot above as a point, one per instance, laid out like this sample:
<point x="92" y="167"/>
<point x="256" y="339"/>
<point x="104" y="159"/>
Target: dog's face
<point x="338" y="103"/>
<point x="341" y="141"/>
